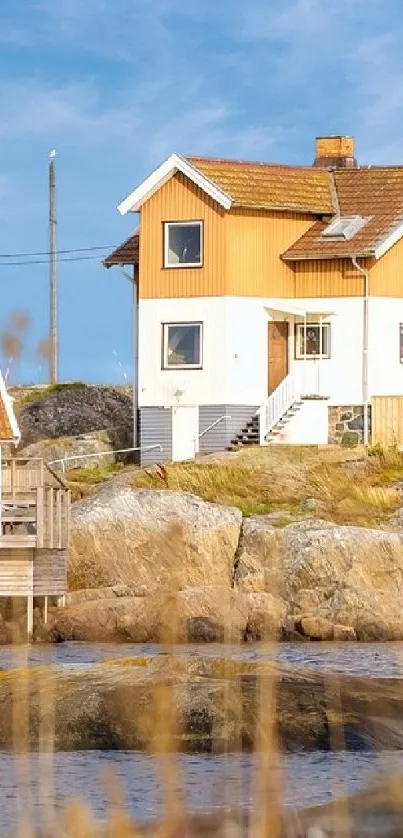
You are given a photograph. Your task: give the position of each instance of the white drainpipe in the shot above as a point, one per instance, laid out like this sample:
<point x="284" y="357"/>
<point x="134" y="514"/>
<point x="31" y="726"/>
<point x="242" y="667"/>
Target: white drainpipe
<point x="320" y="354"/>
<point x="365" y="349"/>
<point x="305" y="357"/>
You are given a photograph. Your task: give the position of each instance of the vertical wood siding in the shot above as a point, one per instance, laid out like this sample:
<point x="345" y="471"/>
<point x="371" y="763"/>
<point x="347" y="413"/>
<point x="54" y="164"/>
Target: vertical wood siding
<point x="328" y="278"/>
<point x="387" y="420"/>
<point x="241" y="253"/>
<point x="255" y="240"/>
<point x="386" y="275"/>
<point x="180" y="200"/>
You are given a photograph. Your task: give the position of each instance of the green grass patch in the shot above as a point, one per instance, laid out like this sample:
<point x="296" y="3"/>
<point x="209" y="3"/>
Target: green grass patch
<point x="40" y="393"/>
<point x="93" y="475"/>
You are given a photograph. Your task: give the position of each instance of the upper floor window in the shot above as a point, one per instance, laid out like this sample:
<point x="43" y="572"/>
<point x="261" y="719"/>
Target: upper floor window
<point x="183" y="244"/>
<point x="312" y="341"/>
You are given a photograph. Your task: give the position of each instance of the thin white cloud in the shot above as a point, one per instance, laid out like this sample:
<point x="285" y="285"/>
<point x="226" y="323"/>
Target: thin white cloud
<point x="303" y="54"/>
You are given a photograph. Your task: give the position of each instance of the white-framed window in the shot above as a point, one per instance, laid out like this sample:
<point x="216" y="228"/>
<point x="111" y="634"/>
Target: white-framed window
<point x="183" y="244"/>
<point x="312" y="341"/>
<point x="182" y="346"/>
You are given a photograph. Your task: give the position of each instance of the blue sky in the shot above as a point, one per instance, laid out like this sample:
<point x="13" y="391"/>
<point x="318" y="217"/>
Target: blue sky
<point x="117" y="85"/>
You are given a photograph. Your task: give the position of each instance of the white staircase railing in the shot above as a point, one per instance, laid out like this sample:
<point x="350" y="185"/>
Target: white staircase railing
<point x="302" y="381"/>
<point x="277" y="404"/>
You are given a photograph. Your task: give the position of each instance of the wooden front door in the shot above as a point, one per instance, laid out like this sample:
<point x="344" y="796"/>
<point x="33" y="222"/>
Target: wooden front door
<point x="278" y="353"/>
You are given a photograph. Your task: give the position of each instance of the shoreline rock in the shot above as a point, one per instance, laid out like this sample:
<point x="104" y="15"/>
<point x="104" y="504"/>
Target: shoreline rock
<point x="156" y="538"/>
<point x="123" y="705"/>
<point x="191" y="615"/>
<point x="311" y="579"/>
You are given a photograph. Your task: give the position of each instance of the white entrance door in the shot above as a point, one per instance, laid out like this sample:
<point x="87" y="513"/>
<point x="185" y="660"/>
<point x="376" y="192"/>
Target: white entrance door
<point x="185" y="432"/>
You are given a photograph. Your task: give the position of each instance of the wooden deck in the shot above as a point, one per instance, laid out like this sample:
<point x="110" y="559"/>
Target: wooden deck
<point x="35" y="506"/>
<point x="34" y="533"/>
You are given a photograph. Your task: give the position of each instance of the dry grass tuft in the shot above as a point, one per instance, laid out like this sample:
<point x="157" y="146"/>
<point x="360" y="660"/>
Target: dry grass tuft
<point x="348" y="487"/>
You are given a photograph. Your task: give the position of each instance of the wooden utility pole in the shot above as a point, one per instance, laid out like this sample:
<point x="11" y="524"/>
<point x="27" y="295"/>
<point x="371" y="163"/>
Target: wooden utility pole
<point x="53" y="337"/>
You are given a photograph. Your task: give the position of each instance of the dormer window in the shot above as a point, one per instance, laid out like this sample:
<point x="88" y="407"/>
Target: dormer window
<point x="345" y="228"/>
<point x="183" y="244"/>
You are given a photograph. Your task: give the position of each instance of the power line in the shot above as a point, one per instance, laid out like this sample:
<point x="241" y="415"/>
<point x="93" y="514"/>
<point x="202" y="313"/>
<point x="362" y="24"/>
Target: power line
<point x="46" y="261"/>
<point x="47" y="252"/>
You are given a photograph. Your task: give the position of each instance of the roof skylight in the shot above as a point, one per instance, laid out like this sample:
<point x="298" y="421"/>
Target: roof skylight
<point x="345" y="228"/>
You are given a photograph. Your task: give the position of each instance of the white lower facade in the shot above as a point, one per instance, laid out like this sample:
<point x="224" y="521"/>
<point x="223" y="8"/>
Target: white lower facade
<point x="236" y="354"/>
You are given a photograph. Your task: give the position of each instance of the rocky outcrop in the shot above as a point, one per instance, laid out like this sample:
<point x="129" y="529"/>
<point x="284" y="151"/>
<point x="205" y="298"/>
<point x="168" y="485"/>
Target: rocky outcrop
<point x="395" y="522"/>
<point x="260" y="558"/>
<point x="349" y="576"/>
<point x="311" y="579"/>
<point x="83" y="447"/>
<point x="192" y="615"/>
<point x="160" y="539"/>
<point x="266" y="616"/>
<point x="94" y="594"/>
<point x="258" y="563"/>
<point x="75" y="409"/>
<point x="315" y="628"/>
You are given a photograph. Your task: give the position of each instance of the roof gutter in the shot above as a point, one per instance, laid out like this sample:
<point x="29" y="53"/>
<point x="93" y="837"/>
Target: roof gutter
<point x="312" y="257"/>
<point x="365" y="350"/>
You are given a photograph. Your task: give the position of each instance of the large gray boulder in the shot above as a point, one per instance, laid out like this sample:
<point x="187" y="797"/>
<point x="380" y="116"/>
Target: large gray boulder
<point x="349" y="576"/>
<point x="75" y="409"/>
<point x="157" y="539"/>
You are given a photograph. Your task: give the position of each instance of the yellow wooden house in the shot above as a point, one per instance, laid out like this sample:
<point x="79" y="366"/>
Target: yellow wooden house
<point x="269" y="301"/>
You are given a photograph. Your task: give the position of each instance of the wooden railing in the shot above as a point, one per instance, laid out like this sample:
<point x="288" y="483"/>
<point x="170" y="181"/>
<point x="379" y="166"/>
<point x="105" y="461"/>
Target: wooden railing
<point x="53" y="518"/>
<point x="39" y="519"/>
<point x="20" y="475"/>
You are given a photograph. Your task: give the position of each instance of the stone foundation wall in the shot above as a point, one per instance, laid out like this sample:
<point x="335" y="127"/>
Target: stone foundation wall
<point x="346" y="424"/>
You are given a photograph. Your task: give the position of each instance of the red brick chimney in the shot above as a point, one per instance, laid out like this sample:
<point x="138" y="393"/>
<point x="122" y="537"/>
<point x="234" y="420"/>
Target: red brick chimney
<point x="335" y="152"/>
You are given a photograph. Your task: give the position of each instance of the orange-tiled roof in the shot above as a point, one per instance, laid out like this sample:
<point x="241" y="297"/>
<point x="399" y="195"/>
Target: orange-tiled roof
<point x="375" y="193"/>
<point x="126" y="254"/>
<point x="6" y="431"/>
<point x="269" y="186"/>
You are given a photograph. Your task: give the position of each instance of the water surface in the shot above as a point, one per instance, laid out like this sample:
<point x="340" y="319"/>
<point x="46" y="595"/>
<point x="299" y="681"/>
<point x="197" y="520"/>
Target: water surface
<point x="205" y="782"/>
<point x="370" y="660"/>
